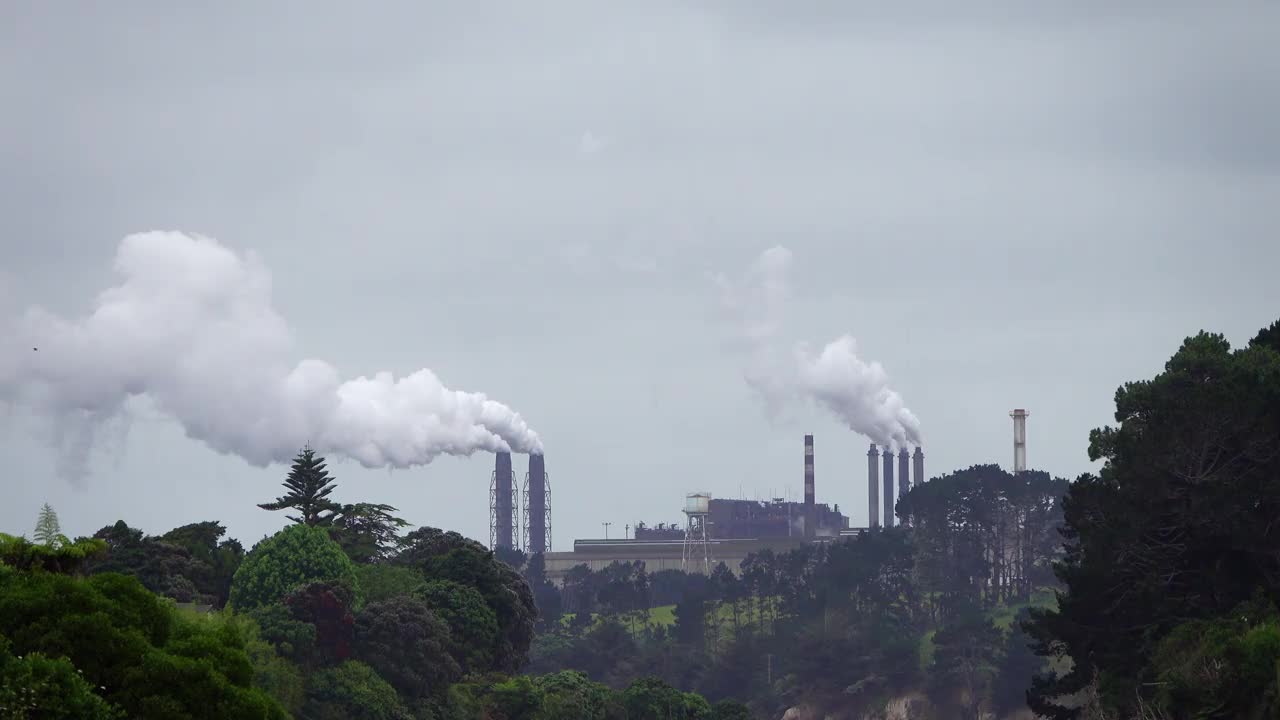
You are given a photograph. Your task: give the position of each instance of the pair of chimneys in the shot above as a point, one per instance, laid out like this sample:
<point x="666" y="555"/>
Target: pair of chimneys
<point x="905" y="482"/>
<point x="504" y="516"/>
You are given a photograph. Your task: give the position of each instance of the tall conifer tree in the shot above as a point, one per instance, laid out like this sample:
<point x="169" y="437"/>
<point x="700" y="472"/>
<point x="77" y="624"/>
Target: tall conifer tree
<point x="309" y="485"/>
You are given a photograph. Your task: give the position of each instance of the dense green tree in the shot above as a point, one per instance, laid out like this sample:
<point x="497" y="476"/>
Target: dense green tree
<point x="965" y="657"/>
<point x="162" y="567"/>
<point x="1228" y="667"/>
<point x="309" y="486"/>
<point x="216" y="560"/>
<point x="383" y="581"/>
<point x="36" y="686"/>
<point x="67" y="558"/>
<point x="352" y="691"/>
<point x="515" y="557"/>
<point x="571" y="695"/>
<point x="48" y="529"/>
<point x="546" y="596"/>
<point x="326" y="606"/>
<point x="408" y="645"/>
<point x="1017" y="668"/>
<point x="450" y="556"/>
<point x="296" y="555"/>
<point x="473" y="626"/>
<point x="146" y="659"/>
<point x="653" y="698"/>
<point x="367" y="532"/>
<point x="1178" y="525"/>
<point x="730" y="710"/>
<point x="292" y="638"/>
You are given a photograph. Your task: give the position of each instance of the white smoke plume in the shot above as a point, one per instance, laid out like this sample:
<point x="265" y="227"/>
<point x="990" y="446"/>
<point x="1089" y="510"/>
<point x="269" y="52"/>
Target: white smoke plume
<point x="191" y="329"/>
<point x="855" y="391"/>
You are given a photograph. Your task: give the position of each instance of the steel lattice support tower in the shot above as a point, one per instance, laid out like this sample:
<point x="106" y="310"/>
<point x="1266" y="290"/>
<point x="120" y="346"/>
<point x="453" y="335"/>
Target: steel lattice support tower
<point x="1019" y="439"/>
<point x="502" y="504"/>
<point x="536" y="530"/>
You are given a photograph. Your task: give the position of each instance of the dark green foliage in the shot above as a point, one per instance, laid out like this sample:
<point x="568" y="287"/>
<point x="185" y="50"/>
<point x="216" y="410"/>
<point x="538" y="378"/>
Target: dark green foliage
<point x="571" y="695"/>
<point x="148" y="661"/>
<point x="297" y="555"/>
<point x="653" y="698"/>
<point x="352" y="691"/>
<point x="514" y="557"/>
<point x="162" y="567"/>
<point x="37" y="686"/>
<point x="291" y="638"/>
<point x="325" y="606"/>
<point x="473" y="627"/>
<point x="215" y="561"/>
<point x="1178" y="525"/>
<point x="984" y="536"/>
<point x="309" y="485"/>
<point x="408" y="645"/>
<point x="965" y="663"/>
<point x="450" y="556"/>
<point x="730" y="710"/>
<point x="367" y="532"/>
<point x="546" y="596"/>
<point x="65" y="557"/>
<point x="1017" y="667"/>
<point x="383" y="582"/>
<point x="1228" y="667"/>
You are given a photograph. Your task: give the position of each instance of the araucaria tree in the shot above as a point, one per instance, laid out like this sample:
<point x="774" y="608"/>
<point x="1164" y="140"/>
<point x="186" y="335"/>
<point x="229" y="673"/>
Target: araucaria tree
<point x="309" y="485"/>
<point x="48" y="531"/>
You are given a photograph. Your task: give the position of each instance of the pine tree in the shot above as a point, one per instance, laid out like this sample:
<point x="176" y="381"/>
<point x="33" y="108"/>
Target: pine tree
<point x="309" y="485"/>
<point x="48" y="531"/>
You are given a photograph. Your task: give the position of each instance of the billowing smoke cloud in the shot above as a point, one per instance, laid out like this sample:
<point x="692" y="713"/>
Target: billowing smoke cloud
<point x="191" y="329"/>
<point x="835" y="378"/>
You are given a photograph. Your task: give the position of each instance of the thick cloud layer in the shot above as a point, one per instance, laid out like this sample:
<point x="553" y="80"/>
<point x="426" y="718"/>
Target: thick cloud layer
<point x="191" y="328"/>
<point x="855" y="391"/>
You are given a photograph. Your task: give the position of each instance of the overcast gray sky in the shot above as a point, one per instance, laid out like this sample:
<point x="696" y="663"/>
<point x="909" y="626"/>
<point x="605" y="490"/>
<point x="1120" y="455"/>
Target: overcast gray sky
<point x="1010" y="205"/>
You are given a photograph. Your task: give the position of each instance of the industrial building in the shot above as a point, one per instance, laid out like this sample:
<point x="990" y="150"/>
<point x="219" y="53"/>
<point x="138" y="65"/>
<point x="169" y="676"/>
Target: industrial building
<point x="716" y="530"/>
<point x="722" y="530"/>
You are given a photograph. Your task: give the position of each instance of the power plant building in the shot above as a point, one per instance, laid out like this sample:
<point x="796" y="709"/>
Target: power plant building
<point x="727" y="529"/>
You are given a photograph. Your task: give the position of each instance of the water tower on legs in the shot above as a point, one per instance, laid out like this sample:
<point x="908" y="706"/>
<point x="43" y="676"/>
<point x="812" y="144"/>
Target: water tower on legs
<point x="697" y="546"/>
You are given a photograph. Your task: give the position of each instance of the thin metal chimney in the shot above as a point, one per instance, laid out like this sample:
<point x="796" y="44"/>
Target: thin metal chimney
<point x="537" y="507"/>
<point x="1019" y="439"/>
<point x="809" y="516"/>
<point x="918" y="461"/>
<point x="887" y="479"/>
<point x="873" y="486"/>
<point x="502" y="504"/>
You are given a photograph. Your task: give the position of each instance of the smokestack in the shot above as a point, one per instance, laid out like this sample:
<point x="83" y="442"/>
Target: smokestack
<point x="1019" y="439"/>
<point x="918" y="459"/>
<point x="537" y="519"/>
<point x="809" y="519"/>
<point x="873" y="486"/>
<point x="502" y="505"/>
<point x="888" y="487"/>
<point x="904" y="472"/>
